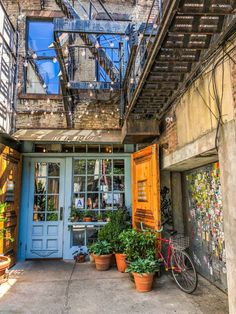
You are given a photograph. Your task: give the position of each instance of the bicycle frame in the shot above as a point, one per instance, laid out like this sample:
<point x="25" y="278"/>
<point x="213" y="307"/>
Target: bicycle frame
<point x="169" y="251"/>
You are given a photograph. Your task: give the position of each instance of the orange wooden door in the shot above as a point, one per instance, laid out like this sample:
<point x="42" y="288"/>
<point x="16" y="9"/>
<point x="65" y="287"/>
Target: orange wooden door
<point x="146" y="188"/>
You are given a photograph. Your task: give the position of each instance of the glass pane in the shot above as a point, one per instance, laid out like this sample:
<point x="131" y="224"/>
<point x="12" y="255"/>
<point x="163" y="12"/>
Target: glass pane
<point x="118" y="200"/>
<point x="67" y="148"/>
<point x="93" y="148"/>
<point x="106" y="166"/>
<point x="79" y="184"/>
<point x="118" y="148"/>
<point x="39" y="203"/>
<point x="40" y="169"/>
<point x="106" y="201"/>
<point x="105" y="184"/>
<point x="92" y="183"/>
<point x="52" y="217"/>
<point x="92" y="200"/>
<point x="53" y="169"/>
<point x="92" y="234"/>
<point x="38" y="217"/>
<point x="41" y="37"/>
<point x="78" y="236"/>
<point x="40" y="186"/>
<point x="107" y="149"/>
<point x="80" y="167"/>
<point x="53" y="202"/>
<point x="53" y="186"/>
<point x="118" y="166"/>
<point x="93" y="166"/>
<point x="80" y="148"/>
<point x="79" y="201"/>
<point x="118" y="183"/>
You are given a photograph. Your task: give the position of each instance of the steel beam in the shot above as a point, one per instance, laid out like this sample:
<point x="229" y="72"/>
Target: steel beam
<point x="90" y="26"/>
<point x="94" y="86"/>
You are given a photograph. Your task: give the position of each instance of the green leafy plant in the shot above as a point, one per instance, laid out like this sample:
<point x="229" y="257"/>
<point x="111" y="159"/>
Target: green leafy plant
<point x="99" y="216"/>
<point x="138" y="244"/>
<point x="143" y="266"/>
<point x="111" y="231"/>
<point x="3" y="219"/>
<point x="101" y="248"/>
<point x="88" y="213"/>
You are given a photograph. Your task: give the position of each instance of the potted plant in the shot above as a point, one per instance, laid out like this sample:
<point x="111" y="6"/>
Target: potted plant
<point x="143" y="271"/>
<point x="99" y="217"/>
<point x="138" y="244"/>
<point x="4" y="260"/>
<point x="119" y="221"/>
<point x="74" y="214"/>
<point x="120" y="256"/>
<point x="102" y="251"/>
<point x="87" y="216"/>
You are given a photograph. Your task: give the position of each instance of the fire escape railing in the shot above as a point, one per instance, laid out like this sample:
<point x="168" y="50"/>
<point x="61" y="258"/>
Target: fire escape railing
<point x="143" y="49"/>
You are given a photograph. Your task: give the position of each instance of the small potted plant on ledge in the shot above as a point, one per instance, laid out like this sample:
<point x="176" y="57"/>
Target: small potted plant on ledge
<point x="143" y="271"/>
<point x="4" y="260"/>
<point x="102" y="251"/>
<point x="87" y="216"/>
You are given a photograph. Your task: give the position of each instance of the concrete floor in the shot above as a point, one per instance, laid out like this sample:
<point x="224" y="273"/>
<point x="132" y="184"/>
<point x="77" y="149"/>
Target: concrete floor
<point x="42" y="287"/>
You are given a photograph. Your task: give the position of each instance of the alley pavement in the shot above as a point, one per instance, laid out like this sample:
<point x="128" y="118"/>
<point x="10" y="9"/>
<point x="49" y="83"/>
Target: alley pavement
<point x="50" y="287"/>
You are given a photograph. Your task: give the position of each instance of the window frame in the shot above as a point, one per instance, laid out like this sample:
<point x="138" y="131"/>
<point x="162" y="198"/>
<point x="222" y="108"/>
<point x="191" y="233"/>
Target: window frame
<point x="25" y="69"/>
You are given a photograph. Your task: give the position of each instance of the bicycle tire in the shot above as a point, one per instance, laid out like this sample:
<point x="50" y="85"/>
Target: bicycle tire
<point x="186" y="276"/>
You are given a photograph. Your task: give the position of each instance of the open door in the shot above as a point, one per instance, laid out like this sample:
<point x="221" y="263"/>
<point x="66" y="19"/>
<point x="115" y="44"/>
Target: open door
<point x="146" y="188"/>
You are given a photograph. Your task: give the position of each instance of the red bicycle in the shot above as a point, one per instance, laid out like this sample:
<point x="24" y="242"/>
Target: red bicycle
<point x="177" y="260"/>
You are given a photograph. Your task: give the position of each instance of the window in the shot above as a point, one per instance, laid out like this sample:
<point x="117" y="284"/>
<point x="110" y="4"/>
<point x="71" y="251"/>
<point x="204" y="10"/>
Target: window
<point x="42" y="68"/>
<point x="46" y="191"/>
<point x="99" y="184"/>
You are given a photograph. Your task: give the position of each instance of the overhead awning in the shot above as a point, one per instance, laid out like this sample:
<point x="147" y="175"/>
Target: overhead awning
<point x="86" y="136"/>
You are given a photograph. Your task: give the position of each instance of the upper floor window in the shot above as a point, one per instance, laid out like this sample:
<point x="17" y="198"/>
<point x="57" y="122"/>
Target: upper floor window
<point x="42" y="68"/>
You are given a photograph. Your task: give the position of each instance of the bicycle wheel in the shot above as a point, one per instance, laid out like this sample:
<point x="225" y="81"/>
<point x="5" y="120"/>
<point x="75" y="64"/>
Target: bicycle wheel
<point x="183" y="271"/>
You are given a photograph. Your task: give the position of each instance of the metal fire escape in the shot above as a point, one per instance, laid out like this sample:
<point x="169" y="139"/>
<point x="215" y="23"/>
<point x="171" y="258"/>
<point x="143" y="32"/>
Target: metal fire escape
<point x="91" y="25"/>
<point x="189" y="31"/>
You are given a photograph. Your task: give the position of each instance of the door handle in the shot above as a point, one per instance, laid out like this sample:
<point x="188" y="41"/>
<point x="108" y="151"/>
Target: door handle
<point x="61" y="213"/>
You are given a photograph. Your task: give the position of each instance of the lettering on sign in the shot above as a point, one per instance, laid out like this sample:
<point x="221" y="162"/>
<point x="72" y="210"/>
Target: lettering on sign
<point x="142" y="191"/>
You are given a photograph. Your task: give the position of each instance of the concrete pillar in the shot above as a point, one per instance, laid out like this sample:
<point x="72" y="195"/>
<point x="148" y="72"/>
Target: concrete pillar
<point x="227" y="158"/>
<point x="177" y="206"/>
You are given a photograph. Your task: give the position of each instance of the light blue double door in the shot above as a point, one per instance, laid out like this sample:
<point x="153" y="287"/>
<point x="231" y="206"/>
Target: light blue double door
<point x="46" y="208"/>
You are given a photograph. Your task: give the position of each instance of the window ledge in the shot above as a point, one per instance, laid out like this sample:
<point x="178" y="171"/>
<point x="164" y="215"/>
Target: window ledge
<point x="40" y="96"/>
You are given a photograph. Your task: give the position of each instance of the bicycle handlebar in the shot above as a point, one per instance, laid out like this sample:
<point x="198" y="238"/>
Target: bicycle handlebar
<point x="158" y="231"/>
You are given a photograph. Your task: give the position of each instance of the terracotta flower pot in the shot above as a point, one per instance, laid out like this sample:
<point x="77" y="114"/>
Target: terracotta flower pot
<point x="4" y="264"/>
<point x="87" y="219"/>
<point x="120" y="262"/>
<point x="91" y="257"/>
<point x="143" y="282"/>
<point x="103" y="262"/>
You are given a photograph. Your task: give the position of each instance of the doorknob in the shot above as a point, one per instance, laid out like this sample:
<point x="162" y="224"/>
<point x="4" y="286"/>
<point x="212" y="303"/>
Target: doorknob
<point x="61" y="213"/>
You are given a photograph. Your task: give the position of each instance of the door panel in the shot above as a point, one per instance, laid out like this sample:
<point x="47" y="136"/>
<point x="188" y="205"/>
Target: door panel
<point x="46" y="209"/>
<point x="146" y="188"/>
